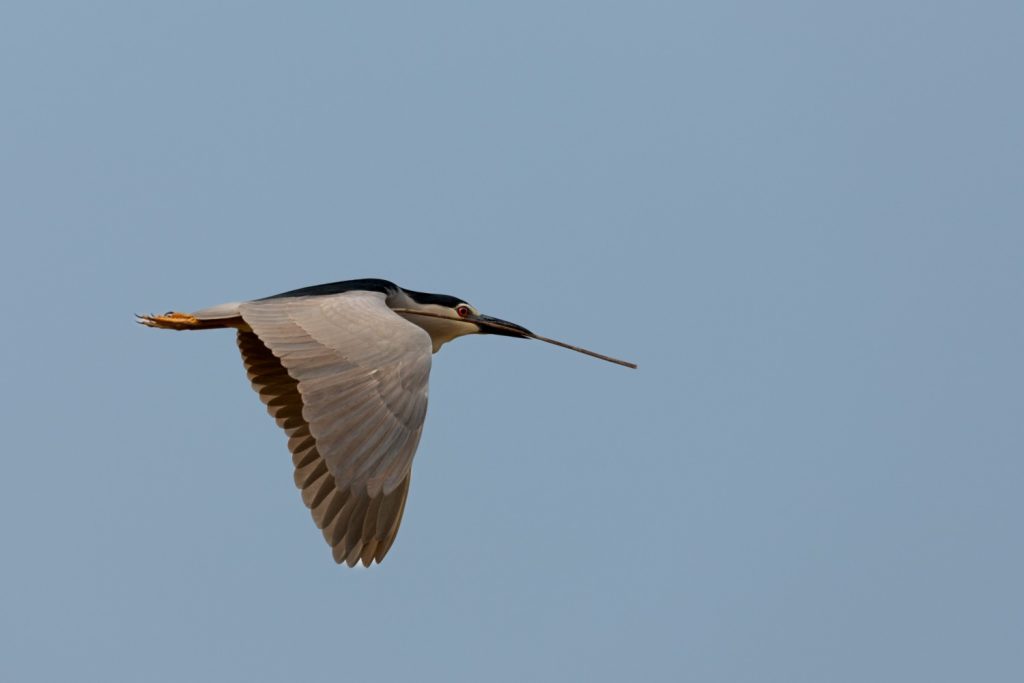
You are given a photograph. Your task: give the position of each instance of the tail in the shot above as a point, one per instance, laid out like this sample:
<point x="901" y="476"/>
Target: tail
<point x="224" y="315"/>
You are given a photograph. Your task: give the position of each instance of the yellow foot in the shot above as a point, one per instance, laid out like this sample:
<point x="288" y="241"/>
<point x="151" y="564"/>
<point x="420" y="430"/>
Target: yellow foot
<point x="170" y="321"/>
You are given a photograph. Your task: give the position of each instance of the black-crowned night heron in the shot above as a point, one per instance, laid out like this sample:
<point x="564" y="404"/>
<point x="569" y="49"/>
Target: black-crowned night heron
<point x="343" y="368"/>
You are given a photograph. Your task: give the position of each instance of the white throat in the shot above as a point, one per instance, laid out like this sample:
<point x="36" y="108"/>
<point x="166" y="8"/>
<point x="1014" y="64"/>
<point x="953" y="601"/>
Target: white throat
<point x="440" y="331"/>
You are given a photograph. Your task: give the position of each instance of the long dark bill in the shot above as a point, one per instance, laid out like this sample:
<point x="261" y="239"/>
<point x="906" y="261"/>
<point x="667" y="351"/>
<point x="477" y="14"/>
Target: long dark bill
<point x="512" y="330"/>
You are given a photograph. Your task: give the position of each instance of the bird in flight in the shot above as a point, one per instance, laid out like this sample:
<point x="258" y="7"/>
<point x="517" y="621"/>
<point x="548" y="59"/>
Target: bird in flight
<point x="343" y="368"/>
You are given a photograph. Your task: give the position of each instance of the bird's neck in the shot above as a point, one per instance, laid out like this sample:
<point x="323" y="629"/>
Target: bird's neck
<point x="441" y="331"/>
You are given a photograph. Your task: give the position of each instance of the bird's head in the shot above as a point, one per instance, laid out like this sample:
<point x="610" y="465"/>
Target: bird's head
<point x="447" y="317"/>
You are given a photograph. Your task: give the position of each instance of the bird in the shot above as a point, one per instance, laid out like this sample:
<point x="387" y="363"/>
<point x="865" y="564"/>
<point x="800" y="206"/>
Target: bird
<point x="343" y="368"/>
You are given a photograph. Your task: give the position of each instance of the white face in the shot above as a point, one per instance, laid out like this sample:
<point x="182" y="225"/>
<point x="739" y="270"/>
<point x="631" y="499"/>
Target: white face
<point x="443" y="331"/>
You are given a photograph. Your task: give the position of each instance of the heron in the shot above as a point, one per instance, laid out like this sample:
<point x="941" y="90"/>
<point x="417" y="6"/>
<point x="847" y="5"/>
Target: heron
<point x="343" y="369"/>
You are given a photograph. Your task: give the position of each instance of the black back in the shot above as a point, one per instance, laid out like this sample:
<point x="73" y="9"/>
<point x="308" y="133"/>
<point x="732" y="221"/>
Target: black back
<point x="370" y="284"/>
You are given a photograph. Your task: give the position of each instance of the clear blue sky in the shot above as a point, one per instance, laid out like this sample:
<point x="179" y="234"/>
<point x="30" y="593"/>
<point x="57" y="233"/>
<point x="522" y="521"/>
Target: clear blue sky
<point x="803" y="220"/>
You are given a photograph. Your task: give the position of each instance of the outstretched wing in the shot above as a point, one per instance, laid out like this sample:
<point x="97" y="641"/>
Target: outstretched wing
<point x="346" y="378"/>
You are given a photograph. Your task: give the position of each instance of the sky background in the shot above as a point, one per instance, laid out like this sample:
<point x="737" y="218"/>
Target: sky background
<point x="803" y="220"/>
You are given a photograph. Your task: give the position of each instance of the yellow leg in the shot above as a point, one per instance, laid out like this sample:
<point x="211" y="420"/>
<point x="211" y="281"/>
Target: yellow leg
<point x="170" y="321"/>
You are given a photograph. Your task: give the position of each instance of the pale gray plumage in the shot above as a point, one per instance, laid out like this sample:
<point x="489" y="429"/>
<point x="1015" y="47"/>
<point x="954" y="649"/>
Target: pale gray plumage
<point x="347" y="380"/>
<point x="343" y="368"/>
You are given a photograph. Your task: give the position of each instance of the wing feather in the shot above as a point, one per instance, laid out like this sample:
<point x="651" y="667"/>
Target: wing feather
<point x="346" y="379"/>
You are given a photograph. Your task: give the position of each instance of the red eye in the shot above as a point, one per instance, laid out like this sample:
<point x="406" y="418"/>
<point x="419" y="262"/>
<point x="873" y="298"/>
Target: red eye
<point x="463" y="311"/>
